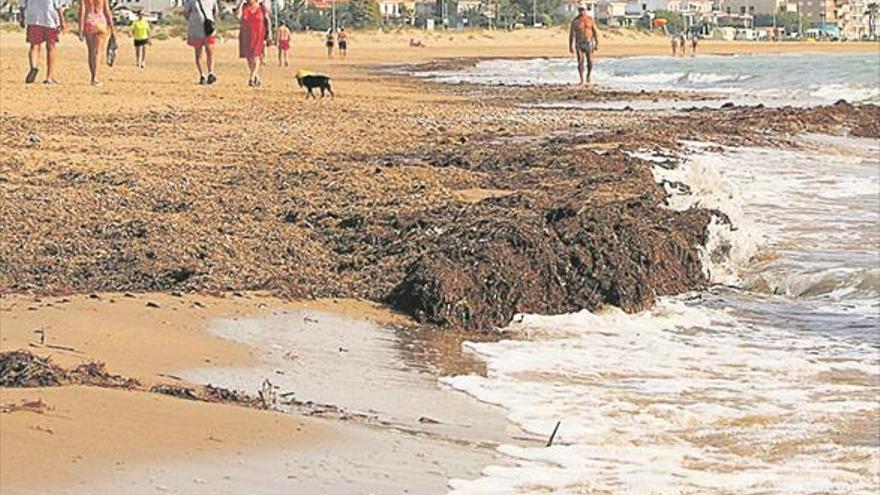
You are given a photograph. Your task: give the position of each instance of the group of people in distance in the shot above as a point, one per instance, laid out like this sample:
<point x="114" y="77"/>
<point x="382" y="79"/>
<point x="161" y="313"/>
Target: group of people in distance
<point x="337" y="38"/>
<point x="680" y="43"/>
<point x="44" y="21"/>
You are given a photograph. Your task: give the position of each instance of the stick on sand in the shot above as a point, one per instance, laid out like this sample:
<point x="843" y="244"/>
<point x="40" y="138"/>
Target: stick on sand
<point x="553" y="435"/>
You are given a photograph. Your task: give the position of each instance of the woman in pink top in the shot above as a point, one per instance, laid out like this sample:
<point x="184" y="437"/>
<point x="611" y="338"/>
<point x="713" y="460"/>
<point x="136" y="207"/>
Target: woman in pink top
<point x="95" y="24"/>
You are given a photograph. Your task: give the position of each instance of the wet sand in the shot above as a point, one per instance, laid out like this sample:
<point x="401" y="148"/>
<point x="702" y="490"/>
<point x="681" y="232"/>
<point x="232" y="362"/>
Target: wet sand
<point x="367" y="414"/>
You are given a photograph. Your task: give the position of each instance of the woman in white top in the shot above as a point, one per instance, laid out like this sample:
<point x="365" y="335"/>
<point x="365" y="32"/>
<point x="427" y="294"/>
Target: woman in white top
<point x="196" y="13"/>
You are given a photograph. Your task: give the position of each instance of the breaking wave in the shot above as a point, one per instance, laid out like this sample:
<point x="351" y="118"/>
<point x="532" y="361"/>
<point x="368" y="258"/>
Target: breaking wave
<point x="769" y="386"/>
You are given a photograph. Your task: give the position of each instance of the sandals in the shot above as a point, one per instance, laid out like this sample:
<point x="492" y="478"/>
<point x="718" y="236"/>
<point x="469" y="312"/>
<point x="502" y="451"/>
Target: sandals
<point x="31" y="75"/>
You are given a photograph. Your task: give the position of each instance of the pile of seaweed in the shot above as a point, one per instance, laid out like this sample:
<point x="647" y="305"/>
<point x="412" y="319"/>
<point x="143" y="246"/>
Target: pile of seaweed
<point x="23" y="369"/>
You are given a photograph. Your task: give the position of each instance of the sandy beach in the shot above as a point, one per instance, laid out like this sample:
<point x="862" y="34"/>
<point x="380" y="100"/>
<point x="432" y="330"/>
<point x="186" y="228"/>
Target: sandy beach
<point x="161" y="228"/>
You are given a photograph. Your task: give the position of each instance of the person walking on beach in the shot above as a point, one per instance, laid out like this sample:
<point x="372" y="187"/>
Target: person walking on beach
<point x="694" y="40"/>
<point x="583" y="40"/>
<point x="140" y="32"/>
<point x="43" y="20"/>
<point x="331" y="40"/>
<point x="95" y="26"/>
<point x="682" y="45"/>
<point x="674" y="42"/>
<point x="252" y="37"/>
<point x="201" y="18"/>
<point x="283" y="36"/>
<point x="342" y="41"/>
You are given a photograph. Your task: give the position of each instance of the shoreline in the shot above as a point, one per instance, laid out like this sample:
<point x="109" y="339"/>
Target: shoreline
<point x="92" y="435"/>
<point x="319" y="218"/>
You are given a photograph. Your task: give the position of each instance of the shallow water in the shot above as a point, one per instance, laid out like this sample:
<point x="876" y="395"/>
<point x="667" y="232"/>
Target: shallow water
<point x="768" y="383"/>
<point x="795" y="79"/>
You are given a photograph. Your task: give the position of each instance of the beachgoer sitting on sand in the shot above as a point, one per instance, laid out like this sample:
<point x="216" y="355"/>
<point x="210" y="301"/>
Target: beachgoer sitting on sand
<point x="95" y="26"/>
<point x="140" y="33"/>
<point x="196" y="12"/>
<point x="44" y="20"/>
<point x="583" y="40"/>
<point x="416" y="43"/>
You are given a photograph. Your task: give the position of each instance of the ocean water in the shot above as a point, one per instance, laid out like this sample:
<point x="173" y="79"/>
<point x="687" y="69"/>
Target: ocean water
<point x="767" y="383"/>
<point x="795" y="79"/>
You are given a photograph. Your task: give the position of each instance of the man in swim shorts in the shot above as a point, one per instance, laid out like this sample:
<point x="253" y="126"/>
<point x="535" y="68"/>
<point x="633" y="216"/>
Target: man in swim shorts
<point x="44" y="19"/>
<point x="583" y="40"/>
<point x="282" y="34"/>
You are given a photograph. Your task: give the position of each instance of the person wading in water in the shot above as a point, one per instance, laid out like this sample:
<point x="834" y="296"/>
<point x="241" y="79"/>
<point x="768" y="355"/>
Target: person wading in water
<point x="583" y="40"/>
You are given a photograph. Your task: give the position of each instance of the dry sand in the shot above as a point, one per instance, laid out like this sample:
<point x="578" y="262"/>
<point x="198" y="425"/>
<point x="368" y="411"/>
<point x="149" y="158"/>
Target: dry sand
<point x="87" y="432"/>
<point x="84" y="434"/>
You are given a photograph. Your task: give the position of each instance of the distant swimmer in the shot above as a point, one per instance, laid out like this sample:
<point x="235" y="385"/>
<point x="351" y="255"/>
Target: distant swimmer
<point x="583" y="40"/>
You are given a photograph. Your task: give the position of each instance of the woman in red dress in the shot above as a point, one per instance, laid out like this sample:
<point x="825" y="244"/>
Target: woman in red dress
<point x="252" y="36"/>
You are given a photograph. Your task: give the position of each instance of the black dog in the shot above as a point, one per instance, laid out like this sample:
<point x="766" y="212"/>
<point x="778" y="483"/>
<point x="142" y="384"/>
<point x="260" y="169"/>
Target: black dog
<point x="312" y="81"/>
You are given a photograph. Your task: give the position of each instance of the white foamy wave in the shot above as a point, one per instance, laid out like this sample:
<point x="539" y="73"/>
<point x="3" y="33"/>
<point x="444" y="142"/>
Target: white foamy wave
<point x="732" y="242"/>
<point x="848" y="92"/>
<point x="676" y="400"/>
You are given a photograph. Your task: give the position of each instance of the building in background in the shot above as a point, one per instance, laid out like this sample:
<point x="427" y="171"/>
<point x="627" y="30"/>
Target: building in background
<point x="390" y="9"/>
<point x="613" y="13"/>
<point x="752" y="7"/>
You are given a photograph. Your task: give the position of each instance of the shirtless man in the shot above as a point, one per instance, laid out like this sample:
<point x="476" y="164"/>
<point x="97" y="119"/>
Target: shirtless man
<point x="282" y="34"/>
<point x="583" y="40"/>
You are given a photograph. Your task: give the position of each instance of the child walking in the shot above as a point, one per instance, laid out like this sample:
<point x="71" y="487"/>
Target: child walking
<point x="140" y="31"/>
<point x="44" y="19"/>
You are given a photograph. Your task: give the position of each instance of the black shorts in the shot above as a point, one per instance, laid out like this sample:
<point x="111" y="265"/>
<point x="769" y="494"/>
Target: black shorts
<point x="141" y="42"/>
<point x="343" y="45"/>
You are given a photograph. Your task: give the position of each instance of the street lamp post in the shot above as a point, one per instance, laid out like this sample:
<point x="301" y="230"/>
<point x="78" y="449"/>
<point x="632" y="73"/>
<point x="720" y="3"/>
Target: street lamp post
<point x="534" y="13"/>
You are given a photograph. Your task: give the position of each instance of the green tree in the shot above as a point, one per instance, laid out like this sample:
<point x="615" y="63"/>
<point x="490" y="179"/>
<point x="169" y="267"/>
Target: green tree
<point x="542" y="7"/>
<point x="364" y="13"/>
<point x="787" y="20"/>
<point x="674" y="22"/>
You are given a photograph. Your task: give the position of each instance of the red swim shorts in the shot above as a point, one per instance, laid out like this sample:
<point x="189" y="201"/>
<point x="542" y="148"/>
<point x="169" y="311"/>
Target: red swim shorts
<point x="284" y="45"/>
<point x="40" y="34"/>
<point x="199" y="42"/>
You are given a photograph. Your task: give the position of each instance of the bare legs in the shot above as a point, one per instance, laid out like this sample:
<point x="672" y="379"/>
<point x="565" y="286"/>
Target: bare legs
<point x="34" y="61"/>
<point x="282" y="57"/>
<point x="254" y="66"/>
<point x="140" y="53"/>
<point x="50" y="63"/>
<point x="34" y="56"/>
<point x="95" y="43"/>
<point x="205" y="77"/>
<point x="585" y="60"/>
<point x="198" y="53"/>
